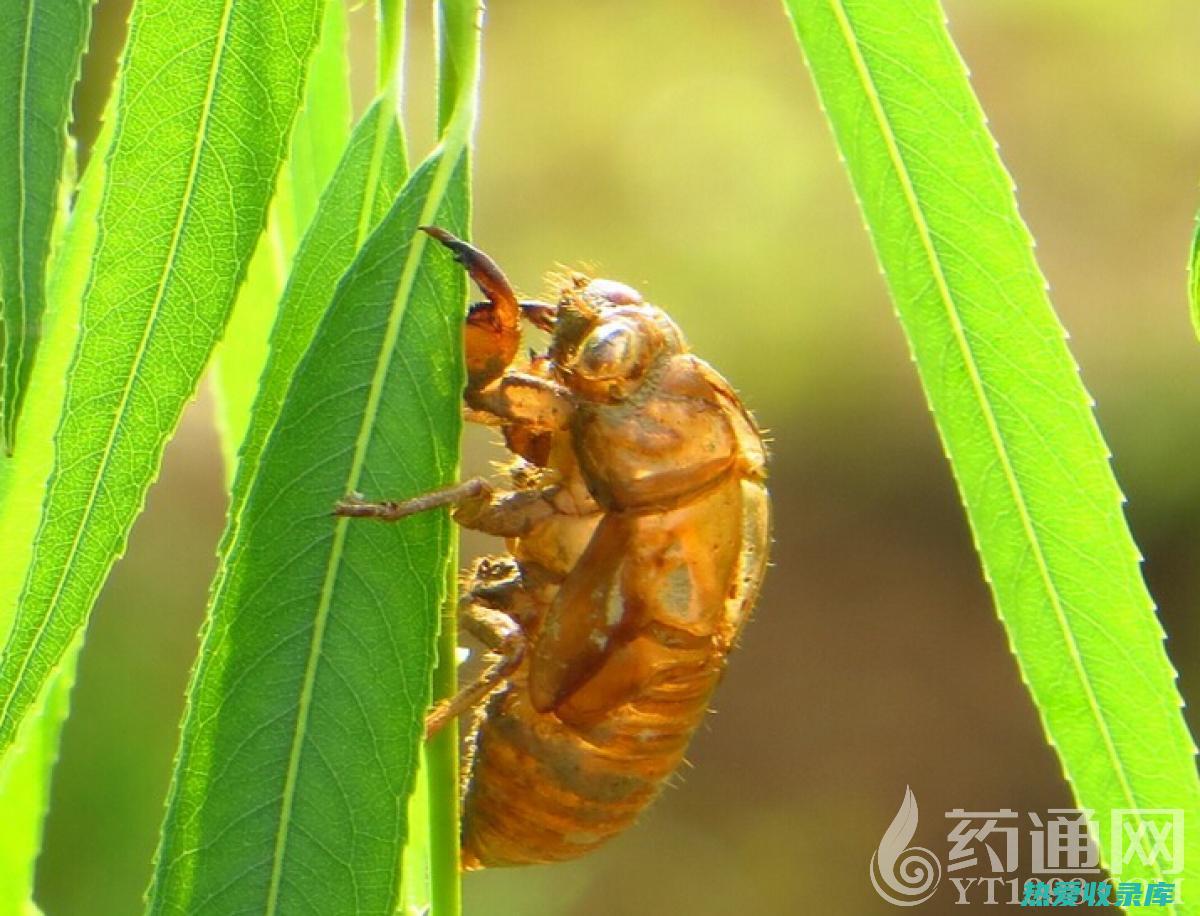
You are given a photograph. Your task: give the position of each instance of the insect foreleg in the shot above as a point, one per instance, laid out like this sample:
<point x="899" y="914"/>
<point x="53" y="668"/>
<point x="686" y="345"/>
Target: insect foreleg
<point x="528" y="400"/>
<point x="493" y="329"/>
<point x="540" y="314"/>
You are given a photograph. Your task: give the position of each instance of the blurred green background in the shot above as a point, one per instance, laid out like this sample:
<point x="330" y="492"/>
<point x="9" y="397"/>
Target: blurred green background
<point x="678" y="146"/>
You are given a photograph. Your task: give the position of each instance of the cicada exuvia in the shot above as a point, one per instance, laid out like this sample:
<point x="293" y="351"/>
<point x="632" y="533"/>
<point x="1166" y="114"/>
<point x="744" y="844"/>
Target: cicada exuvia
<point x="637" y="525"/>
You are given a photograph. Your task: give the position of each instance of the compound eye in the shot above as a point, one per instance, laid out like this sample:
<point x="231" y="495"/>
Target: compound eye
<point x="612" y="351"/>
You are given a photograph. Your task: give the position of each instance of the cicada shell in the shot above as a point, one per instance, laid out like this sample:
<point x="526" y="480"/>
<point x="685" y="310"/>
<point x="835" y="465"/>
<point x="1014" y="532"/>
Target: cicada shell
<point x="636" y="521"/>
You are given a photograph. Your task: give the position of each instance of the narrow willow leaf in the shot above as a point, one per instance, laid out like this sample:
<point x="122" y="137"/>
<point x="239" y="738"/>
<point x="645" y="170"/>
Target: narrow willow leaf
<point x="41" y="44"/>
<point x="318" y="138"/>
<point x="26" y="770"/>
<point x="25" y="792"/>
<point x="361" y="191"/>
<point x="306" y="709"/>
<point x="205" y="103"/>
<point x="1013" y="416"/>
<point x="323" y="124"/>
<point x="23" y="477"/>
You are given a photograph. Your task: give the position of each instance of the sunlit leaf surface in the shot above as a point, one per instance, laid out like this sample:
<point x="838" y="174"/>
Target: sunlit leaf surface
<point x="207" y="94"/>
<point x="27" y="767"/>
<point x="1014" y="418"/>
<point x="322" y="630"/>
<point x="41" y="42"/>
<point x="317" y="142"/>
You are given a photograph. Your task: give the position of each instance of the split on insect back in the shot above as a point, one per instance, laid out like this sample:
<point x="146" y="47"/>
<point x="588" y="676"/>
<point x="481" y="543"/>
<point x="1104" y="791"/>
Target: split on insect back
<point x="637" y="525"/>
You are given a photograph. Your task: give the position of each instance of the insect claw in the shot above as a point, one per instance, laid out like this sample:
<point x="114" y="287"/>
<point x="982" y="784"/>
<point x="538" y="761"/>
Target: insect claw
<point x="483" y="270"/>
<point x="440" y="234"/>
<point x="479" y="265"/>
<point x="493" y="327"/>
<point x="463" y="253"/>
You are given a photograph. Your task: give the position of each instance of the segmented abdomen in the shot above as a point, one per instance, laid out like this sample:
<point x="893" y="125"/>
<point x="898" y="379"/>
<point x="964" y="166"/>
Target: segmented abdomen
<point x="539" y="791"/>
<point x="544" y="787"/>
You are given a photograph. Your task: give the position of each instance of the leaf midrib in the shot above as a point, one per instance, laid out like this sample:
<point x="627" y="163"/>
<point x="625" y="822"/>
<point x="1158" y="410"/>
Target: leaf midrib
<point x="387" y="352"/>
<point x="980" y="391"/>
<point x="155" y="312"/>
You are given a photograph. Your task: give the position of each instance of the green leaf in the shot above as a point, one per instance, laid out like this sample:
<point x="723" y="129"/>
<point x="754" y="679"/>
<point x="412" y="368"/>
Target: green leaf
<point x="323" y="124"/>
<point x="300" y="742"/>
<point x="1013" y="416"/>
<point x="41" y="44"/>
<point x="361" y="191"/>
<point x="25" y="772"/>
<point x="25" y="792"/>
<point x="207" y="94"/>
<point x="320" y="134"/>
<point x="301" y="715"/>
<point x="416" y="888"/>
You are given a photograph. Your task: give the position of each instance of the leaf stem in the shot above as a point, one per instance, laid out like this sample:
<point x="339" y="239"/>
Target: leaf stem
<point x="389" y="68"/>
<point x="459" y="27"/>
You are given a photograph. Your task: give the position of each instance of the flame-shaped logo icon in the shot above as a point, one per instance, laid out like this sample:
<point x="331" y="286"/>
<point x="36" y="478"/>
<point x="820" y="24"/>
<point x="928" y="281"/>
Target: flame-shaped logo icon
<point x="903" y="875"/>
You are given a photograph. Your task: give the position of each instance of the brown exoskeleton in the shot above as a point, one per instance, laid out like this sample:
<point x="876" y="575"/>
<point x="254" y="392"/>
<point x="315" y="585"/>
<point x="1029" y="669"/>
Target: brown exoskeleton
<point x="636" y="521"/>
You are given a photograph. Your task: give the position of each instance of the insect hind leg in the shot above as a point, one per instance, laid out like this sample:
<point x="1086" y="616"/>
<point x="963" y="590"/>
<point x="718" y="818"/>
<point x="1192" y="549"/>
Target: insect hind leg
<point x="489" y="609"/>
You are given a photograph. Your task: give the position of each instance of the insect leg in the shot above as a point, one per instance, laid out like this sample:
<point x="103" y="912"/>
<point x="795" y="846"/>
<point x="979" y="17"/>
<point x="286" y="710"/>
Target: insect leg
<point x="493" y="332"/>
<point x="475" y="692"/>
<point x="539" y="314"/>
<point x="477" y="505"/>
<point x="493" y="582"/>
<point x="509" y="513"/>
<point x="530" y="400"/>
<point x="388" y="511"/>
